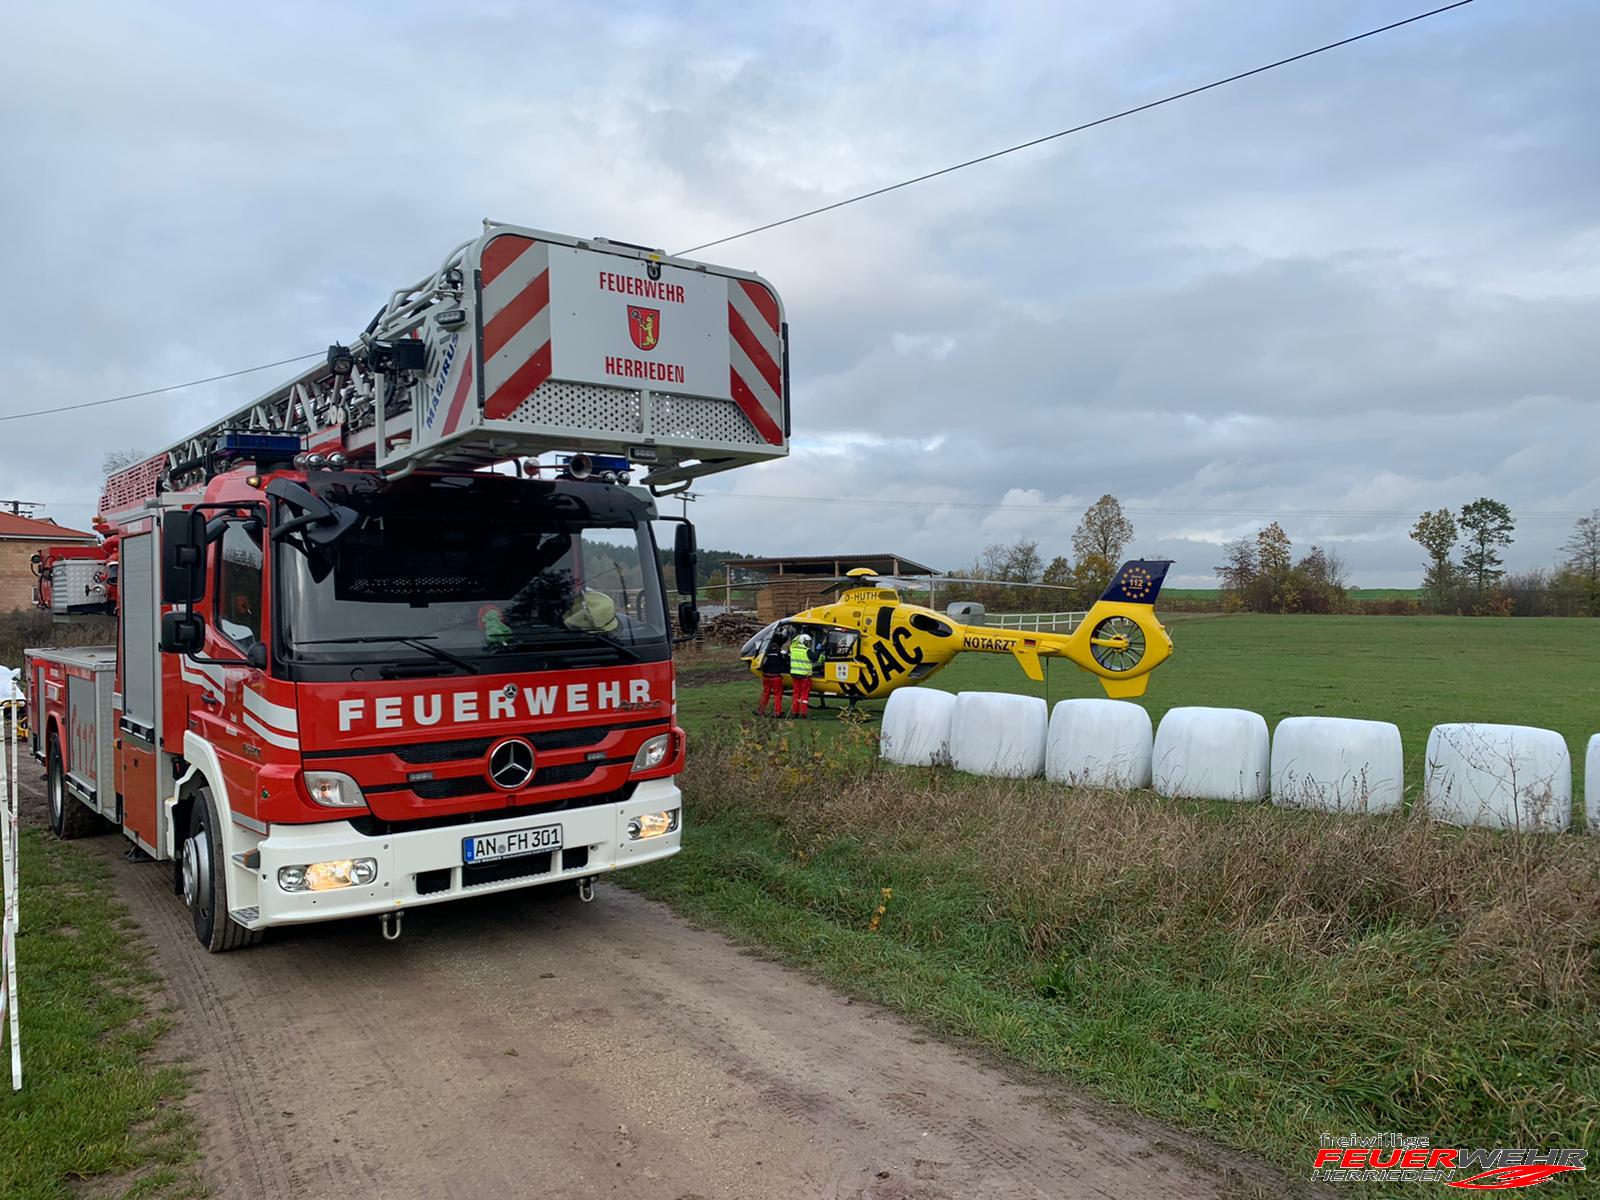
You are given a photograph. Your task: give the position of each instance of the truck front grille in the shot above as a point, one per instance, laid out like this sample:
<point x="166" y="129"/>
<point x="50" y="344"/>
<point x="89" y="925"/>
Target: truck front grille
<point x="443" y="752"/>
<point x="371" y="826"/>
<point x="479" y="785"/>
<point x="423" y="753"/>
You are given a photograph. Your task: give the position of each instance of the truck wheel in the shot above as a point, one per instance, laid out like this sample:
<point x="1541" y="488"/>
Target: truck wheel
<point x="205" y="888"/>
<point x="69" y="816"/>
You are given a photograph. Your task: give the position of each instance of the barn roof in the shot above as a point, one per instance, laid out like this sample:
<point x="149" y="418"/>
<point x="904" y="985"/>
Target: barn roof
<point x="832" y="564"/>
<point x="15" y="528"/>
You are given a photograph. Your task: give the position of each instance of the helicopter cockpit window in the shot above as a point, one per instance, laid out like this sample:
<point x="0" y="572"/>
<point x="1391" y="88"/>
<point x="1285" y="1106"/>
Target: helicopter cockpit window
<point x="885" y="615"/>
<point x="840" y="643"/>
<point x="757" y="646"/>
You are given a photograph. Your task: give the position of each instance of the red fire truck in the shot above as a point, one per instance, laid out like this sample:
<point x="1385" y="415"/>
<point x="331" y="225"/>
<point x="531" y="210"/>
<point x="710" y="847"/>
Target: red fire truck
<point x="379" y="643"/>
<point x="77" y="580"/>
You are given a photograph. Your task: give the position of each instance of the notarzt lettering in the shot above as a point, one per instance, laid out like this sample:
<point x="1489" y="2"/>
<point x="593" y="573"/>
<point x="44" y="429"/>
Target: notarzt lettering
<point x="987" y="643"/>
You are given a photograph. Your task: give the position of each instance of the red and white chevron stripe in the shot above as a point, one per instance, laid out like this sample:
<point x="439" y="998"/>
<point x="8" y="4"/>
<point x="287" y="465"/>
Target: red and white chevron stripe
<point x="515" y="312"/>
<point x="755" y="350"/>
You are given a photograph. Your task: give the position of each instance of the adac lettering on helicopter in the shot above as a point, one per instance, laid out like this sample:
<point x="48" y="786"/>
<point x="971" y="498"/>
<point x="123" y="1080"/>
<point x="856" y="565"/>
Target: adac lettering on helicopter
<point x="894" y="655"/>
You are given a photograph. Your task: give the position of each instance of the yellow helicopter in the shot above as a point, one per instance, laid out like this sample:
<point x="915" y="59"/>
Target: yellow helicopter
<point x="872" y="643"/>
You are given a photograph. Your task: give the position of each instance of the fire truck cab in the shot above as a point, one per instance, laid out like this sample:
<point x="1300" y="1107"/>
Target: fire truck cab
<point x="374" y="649"/>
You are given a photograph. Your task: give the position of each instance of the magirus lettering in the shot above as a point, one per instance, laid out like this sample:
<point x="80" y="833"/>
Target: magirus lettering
<point x="444" y="375"/>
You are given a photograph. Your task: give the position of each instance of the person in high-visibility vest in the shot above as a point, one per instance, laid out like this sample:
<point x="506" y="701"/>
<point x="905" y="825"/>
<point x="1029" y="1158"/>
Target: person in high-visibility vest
<point x="802" y="663"/>
<point x="774" y="669"/>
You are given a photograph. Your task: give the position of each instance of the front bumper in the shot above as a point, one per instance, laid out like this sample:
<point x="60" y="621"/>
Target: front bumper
<point x="425" y="867"/>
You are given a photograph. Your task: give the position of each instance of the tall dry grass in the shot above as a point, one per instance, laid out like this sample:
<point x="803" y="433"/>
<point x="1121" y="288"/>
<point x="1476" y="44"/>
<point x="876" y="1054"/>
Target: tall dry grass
<point x="1519" y="912"/>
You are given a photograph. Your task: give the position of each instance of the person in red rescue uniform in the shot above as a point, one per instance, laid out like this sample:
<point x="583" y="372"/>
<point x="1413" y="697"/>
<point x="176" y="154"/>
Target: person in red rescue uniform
<point x="802" y="665"/>
<point x="774" y="666"/>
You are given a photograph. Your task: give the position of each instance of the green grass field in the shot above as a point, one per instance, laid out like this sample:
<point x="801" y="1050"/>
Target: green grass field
<point x="1355" y="593"/>
<point x="1415" y="671"/>
<point x="1254" y="974"/>
<point x="97" y="1115"/>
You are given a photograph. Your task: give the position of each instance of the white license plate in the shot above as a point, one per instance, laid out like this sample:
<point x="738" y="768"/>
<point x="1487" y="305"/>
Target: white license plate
<point x="488" y="847"/>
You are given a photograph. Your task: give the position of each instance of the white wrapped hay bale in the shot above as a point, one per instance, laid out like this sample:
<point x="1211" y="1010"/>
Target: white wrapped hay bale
<point x="997" y="733"/>
<point x="1212" y="754"/>
<point x="1591" y="784"/>
<point x="1098" y="743"/>
<point x="1337" y="765"/>
<point x="916" y="727"/>
<point x="1499" y="776"/>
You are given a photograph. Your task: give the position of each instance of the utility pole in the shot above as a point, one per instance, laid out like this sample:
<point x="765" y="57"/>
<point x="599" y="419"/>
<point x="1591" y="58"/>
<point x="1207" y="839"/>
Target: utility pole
<point x="17" y="507"/>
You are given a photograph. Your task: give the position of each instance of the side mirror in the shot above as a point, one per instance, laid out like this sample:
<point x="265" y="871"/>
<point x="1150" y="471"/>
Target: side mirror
<point x="688" y="620"/>
<point x="183" y="556"/>
<point x="685" y="558"/>
<point x="182" y="632"/>
<point x="256" y="656"/>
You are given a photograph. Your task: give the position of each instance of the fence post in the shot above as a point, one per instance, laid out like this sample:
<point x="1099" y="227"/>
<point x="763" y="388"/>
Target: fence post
<point x="8" y="922"/>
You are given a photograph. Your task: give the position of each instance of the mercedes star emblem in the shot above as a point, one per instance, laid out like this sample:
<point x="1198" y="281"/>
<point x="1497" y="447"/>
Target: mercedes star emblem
<point x="511" y="764"/>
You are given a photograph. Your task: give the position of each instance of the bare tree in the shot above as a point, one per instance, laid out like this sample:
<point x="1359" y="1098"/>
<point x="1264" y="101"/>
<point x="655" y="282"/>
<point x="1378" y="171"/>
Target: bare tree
<point x="113" y="461"/>
<point x="1319" y="581"/>
<point x="1238" y="574"/>
<point x="1583" y="559"/>
<point x="1583" y="548"/>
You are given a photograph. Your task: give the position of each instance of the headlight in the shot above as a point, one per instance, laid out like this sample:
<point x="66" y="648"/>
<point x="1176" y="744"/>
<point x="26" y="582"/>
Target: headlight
<point x="653" y="753"/>
<point x="649" y="825"/>
<point x="333" y="789"/>
<point x="325" y="876"/>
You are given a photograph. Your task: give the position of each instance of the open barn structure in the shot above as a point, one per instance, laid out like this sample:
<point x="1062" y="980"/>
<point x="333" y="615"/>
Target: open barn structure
<point x="790" y="584"/>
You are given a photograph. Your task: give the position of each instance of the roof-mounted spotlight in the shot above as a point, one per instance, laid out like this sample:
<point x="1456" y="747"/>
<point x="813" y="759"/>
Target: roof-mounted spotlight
<point x="340" y="361"/>
<point x="402" y="354"/>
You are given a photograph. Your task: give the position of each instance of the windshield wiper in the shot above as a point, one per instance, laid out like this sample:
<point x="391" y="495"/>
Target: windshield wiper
<point x="574" y="643"/>
<point x="416" y="642"/>
<point x="625" y="649"/>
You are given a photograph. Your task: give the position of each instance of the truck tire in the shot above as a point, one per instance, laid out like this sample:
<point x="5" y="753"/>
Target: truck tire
<point x="205" y="889"/>
<point x="69" y="816"/>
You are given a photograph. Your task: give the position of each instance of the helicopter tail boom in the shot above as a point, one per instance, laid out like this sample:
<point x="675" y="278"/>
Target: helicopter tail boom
<point x="1120" y="640"/>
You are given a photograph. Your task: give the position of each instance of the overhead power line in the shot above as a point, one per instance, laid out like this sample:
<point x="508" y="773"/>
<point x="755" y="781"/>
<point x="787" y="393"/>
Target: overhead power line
<point x="893" y="187"/>
<point x="1138" y="510"/>
<point x="172" y="387"/>
<point x="1360" y="514"/>
<point x="1061" y="133"/>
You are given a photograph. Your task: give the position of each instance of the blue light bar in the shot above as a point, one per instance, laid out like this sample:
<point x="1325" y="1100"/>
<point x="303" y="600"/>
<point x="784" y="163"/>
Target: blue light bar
<point x="260" y="443"/>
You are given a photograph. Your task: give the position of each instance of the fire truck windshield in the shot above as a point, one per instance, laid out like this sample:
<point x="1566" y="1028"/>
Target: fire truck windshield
<point x="473" y="571"/>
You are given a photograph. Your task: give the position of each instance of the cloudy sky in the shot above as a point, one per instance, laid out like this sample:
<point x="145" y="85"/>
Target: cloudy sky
<point x="1334" y="295"/>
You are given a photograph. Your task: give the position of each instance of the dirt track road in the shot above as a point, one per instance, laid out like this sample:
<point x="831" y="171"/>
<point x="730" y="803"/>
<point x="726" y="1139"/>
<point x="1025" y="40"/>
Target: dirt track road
<point x="534" y="1046"/>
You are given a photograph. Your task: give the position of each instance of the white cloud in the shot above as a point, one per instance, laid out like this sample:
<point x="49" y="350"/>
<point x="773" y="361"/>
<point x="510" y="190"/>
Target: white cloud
<point x="1367" y="282"/>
